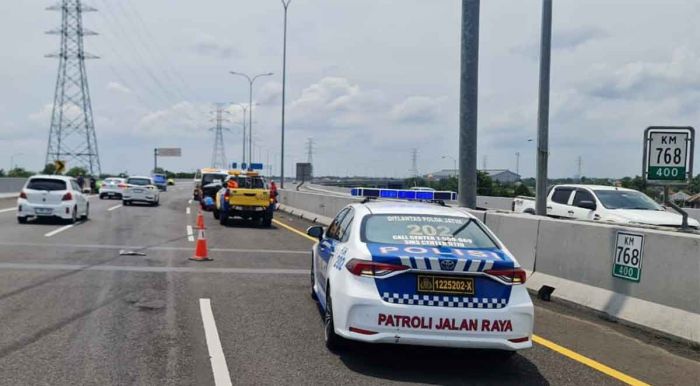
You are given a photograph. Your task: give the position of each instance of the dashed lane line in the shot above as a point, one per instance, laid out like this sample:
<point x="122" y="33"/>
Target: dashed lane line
<point x="537" y="339"/>
<point x="59" y="230"/>
<point x="187" y="211"/>
<point x="114" y="207"/>
<point x="190" y="233"/>
<point x="216" y="352"/>
<point x="7" y="210"/>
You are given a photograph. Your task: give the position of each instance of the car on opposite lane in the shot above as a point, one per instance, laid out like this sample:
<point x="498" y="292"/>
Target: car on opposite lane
<point x="420" y="274"/>
<point x="112" y="187"/>
<point x="140" y="189"/>
<point x="52" y="196"/>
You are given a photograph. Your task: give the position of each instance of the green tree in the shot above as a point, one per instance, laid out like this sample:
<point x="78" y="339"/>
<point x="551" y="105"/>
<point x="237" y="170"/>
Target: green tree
<point x="522" y="190"/>
<point x="76" y="171"/>
<point x="49" y="169"/>
<point x="19" y="172"/>
<point x="694" y="186"/>
<point x="2" y="172"/>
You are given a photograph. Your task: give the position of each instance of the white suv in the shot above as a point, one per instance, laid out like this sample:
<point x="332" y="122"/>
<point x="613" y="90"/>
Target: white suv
<point x="45" y="196"/>
<point x="140" y="189"/>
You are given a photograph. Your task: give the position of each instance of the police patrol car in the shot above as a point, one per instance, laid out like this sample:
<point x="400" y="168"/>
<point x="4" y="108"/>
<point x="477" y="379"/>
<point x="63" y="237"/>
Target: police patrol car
<point x="418" y="273"/>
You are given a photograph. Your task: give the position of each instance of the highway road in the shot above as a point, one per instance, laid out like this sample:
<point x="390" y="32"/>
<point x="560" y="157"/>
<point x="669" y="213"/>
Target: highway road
<point x="75" y="311"/>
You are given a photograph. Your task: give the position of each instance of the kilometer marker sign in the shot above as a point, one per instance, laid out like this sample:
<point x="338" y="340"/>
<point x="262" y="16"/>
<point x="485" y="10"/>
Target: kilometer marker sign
<point x="627" y="256"/>
<point x="668" y="154"/>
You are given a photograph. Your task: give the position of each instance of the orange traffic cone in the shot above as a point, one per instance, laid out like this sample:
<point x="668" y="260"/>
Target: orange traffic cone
<point x="200" y="249"/>
<point x="200" y="220"/>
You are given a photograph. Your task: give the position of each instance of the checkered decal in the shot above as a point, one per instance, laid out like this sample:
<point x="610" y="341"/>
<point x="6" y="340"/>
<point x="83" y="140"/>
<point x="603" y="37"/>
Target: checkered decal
<point x="444" y="301"/>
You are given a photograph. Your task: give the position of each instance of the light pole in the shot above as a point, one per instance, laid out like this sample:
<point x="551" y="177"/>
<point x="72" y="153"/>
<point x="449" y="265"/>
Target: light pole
<point x="454" y="160"/>
<point x="12" y="160"/>
<point x="250" y="107"/>
<point x="244" y="108"/>
<point x="285" y="4"/>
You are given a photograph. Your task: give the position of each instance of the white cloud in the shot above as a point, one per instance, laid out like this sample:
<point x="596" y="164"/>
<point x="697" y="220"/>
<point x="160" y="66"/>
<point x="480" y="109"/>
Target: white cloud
<point x="116" y="86"/>
<point x="417" y="109"/>
<point x="208" y="45"/>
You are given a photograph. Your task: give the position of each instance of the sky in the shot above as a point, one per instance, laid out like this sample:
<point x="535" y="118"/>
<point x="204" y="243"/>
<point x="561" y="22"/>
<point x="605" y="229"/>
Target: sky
<point x="367" y="80"/>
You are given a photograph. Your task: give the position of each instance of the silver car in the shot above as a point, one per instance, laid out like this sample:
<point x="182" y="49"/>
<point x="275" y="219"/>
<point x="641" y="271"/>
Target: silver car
<point x="140" y="189"/>
<point x="112" y="188"/>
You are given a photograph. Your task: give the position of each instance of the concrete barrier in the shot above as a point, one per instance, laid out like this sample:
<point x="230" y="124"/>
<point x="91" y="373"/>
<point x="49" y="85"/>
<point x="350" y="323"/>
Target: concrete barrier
<point x="576" y="259"/>
<point x="11" y="184"/>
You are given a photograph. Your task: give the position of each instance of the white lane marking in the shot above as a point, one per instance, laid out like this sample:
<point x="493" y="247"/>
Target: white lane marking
<point x="188" y="210"/>
<point x="107" y="246"/>
<point x="190" y="233"/>
<point x="134" y="268"/>
<point x="216" y="352"/>
<point x="114" y="207"/>
<point x="59" y="230"/>
<point x="7" y="210"/>
<point x="189" y="202"/>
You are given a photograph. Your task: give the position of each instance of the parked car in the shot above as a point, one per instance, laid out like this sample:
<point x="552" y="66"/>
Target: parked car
<point x="141" y="189"/>
<point x="603" y="203"/>
<point x="52" y="196"/>
<point x="112" y="187"/>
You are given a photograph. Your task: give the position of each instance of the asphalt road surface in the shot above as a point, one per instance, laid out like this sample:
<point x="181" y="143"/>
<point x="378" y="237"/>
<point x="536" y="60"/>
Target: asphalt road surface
<point x="75" y="311"/>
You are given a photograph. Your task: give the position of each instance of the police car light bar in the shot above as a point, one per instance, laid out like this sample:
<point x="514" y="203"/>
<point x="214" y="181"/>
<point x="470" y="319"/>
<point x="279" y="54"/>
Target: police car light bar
<point x="404" y="194"/>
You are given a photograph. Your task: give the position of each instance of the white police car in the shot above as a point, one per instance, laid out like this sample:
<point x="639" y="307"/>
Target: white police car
<point x="421" y="274"/>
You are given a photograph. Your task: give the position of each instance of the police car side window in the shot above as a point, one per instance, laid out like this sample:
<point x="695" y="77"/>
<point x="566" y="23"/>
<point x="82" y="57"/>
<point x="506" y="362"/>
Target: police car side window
<point x="333" y="231"/>
<point x="344" y="228"/>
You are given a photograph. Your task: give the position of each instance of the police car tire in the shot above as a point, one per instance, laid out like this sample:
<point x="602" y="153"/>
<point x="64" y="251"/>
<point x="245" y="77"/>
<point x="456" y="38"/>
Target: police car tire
<point x="74" y="216"/>
<point x="87" y="213"/>
<point x="22" y="220"/>
<point x="334" y="343"/>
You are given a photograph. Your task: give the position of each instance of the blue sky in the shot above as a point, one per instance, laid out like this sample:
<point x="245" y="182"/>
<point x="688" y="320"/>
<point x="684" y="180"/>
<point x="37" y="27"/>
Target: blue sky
<point x="368" y="80"/>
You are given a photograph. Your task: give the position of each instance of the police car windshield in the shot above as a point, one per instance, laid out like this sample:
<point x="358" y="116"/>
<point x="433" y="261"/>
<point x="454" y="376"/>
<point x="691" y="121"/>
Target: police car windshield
<point x="425" y="230"/>
<point x="626" y="199"/>
<point x="209" y="178"/>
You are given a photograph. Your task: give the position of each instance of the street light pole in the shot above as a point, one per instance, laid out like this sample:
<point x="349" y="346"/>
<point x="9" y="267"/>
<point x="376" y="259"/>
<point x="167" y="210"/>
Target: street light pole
<point x="12" y="160"/>
<point x="543" y="110"/>
<point x="250" y="108"/>
<point x="285" y="4"/>
<point x="454" y="161"/>
<point x="245" y="109"/>
<point x="468" y="103"/>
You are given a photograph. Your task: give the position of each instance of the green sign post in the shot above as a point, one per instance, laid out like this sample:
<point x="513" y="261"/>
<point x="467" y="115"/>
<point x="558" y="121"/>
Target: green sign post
<point x="668" y="155"/>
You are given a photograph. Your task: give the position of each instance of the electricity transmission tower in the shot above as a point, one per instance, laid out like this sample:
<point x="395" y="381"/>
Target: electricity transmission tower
<point x="414" y="163"/>
<point x="72" y="133"/>
<point x="218" y="156"/>
<point x="310" y="150"/>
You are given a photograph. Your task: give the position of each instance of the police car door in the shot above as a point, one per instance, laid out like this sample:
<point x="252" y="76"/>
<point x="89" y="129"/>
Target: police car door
<point x="327" y="246"/>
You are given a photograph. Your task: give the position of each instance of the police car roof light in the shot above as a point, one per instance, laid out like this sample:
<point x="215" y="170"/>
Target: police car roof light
<point x="404" y="194"/>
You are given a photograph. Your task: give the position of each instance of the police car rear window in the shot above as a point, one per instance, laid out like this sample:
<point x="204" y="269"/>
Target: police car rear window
<point x="425" y="230"/>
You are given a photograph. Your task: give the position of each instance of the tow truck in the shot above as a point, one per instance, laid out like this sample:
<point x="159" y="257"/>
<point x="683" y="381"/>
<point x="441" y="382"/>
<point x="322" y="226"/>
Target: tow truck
<point x="244" y="194"/>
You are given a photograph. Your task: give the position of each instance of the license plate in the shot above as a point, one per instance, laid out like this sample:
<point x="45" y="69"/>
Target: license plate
<point x="138" y="190"/>
<point x="43" y="210"/>
<point x="449" y="285"/>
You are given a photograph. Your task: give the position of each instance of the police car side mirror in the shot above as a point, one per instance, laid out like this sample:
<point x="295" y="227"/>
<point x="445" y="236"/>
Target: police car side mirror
<point x="315" y="232"/>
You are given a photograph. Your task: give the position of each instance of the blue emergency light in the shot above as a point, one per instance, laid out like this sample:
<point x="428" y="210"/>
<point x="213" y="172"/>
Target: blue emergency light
<point x="256" y="166"/>
<point x="404" y="194"/>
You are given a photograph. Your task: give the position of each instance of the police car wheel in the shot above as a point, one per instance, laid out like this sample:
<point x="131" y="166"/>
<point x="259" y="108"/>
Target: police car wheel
<point x="333" y="342"/>
<point x="22" y="220"/>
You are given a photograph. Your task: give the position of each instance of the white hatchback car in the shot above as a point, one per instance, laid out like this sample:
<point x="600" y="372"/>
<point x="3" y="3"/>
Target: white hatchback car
<point x="419" y="274"/>
<point x="49" y="196"/>
<point x="140" y="189"/>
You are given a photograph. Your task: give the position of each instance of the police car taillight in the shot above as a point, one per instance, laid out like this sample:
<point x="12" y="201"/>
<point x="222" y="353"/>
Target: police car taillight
<point x="510" y="275"/>
<point x="23" y="195"/>
<point x="370" y="268"/>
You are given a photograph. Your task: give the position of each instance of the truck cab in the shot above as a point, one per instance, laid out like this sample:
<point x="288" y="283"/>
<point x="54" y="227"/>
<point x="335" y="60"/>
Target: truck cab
<point x="207" y="182"/>
<point x="245" y="195"/>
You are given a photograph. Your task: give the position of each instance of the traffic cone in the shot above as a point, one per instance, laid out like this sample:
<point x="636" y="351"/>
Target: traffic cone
<point x="200" y="220"/>
<point x="200" y="248"/>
